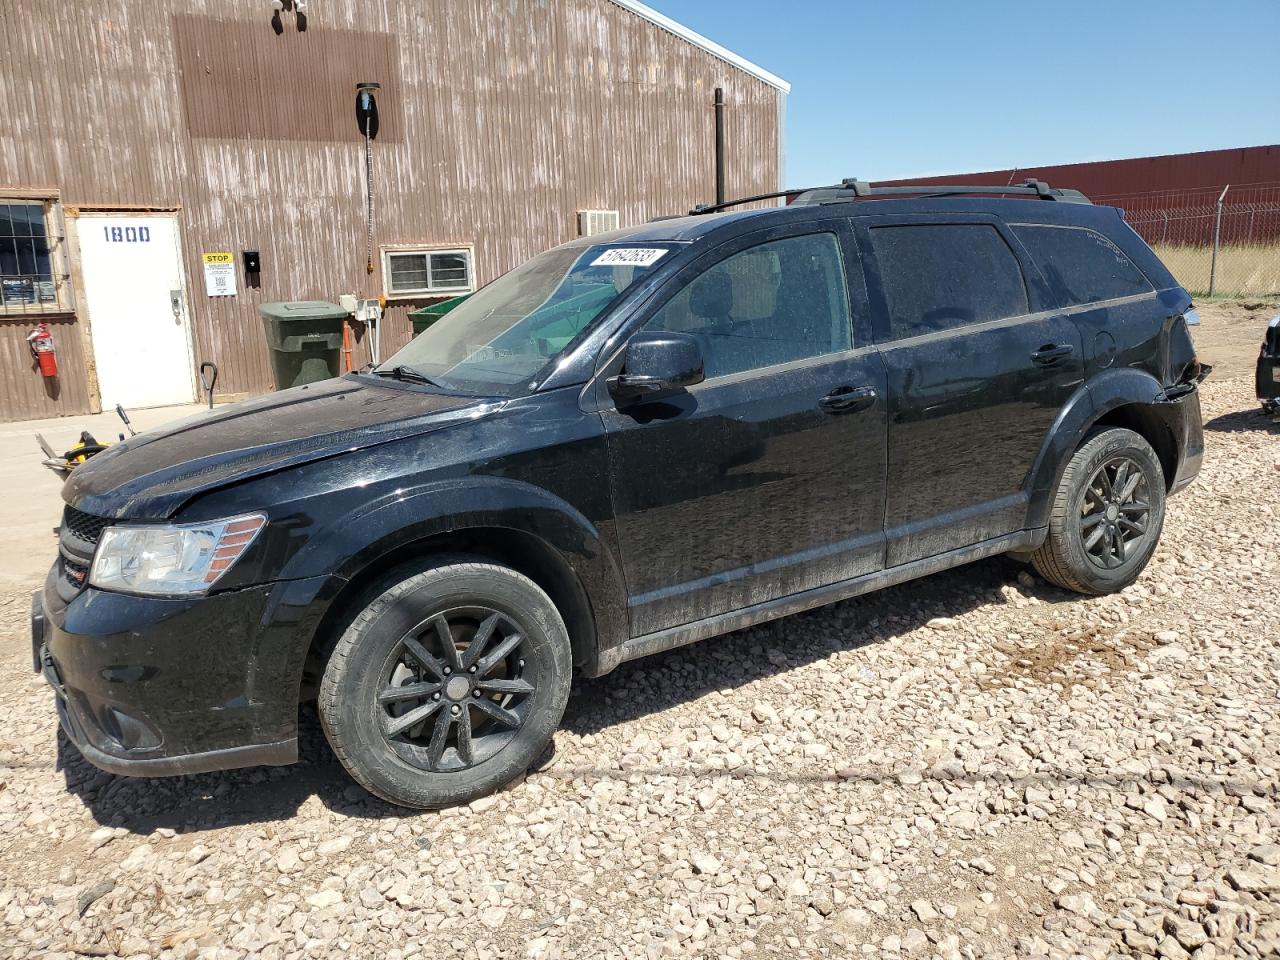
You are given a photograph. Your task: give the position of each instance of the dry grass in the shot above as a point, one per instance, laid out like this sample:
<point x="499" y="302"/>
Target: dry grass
<point x="1251" y="270"/>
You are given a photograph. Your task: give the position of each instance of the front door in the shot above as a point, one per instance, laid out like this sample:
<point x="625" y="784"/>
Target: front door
<point x="766" y="479"/>
<point x="977" y="372"/>
<point x="134" y="288"/>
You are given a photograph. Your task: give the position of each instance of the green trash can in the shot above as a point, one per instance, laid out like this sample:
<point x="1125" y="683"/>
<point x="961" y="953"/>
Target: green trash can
<point x="305" y="340"/>
<point x="426" y="316"/>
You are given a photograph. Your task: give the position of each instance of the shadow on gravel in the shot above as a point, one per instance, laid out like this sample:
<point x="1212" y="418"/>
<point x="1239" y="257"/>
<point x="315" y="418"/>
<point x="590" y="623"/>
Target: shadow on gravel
<point x="1243" y="421"/>
<point x="268" y="794"/>
<point x="660" y="682"/>
<point x="209" y="801"/>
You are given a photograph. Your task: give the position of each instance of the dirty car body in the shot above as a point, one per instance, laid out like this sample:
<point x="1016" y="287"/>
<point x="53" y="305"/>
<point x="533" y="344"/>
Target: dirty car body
<point x="1267" y="376"/>
<point x="856" y="451"/>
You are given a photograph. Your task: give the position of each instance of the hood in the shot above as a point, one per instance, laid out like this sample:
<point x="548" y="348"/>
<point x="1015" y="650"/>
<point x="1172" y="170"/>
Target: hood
<point x="148" y="477"/>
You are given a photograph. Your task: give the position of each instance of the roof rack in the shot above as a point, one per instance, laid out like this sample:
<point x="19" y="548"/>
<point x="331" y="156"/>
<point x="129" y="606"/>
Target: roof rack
<point x="852" y="189"/>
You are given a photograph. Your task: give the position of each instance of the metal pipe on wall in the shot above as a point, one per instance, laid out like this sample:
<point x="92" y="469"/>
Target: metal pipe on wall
<point x="719" y="102"/>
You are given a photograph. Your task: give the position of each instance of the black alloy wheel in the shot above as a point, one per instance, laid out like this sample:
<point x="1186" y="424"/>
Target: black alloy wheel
<point x="447" y="683"/>
<point x="1115" y="514"/>
<point x="455" y="691"/>
<point x="1106" y="514"/>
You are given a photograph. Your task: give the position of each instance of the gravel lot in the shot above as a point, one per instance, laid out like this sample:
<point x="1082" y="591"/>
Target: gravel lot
<point x="973" y="765"/>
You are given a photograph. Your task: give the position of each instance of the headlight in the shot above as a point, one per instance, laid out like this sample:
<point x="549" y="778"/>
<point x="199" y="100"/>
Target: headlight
<point x="171" y="558"/>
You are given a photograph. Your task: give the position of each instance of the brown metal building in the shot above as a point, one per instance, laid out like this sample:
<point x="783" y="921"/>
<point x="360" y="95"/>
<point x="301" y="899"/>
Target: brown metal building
<point x="145" y="142"/>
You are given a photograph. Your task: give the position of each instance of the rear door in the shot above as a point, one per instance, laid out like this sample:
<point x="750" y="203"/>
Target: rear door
<point x="977" y="370"/>
<point x="767" y="479"/>
<point x="1107" y="296"/>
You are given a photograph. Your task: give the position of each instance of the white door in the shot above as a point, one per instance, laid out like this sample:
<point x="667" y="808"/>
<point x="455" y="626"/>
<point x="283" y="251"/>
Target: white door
<point x="136" y="296"/>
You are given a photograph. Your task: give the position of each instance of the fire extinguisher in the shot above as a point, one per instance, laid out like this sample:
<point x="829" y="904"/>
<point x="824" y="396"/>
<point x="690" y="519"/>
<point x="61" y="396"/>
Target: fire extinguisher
<point x="41" y="342"/>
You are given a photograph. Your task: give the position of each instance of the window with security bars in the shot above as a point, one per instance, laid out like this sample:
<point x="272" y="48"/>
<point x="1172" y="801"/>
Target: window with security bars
<point x="426" y="272"/>
<point x="33" y="278"/>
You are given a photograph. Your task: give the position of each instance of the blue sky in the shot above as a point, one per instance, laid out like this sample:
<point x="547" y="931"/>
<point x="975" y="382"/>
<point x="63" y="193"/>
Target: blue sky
<point x="885" y="90"/>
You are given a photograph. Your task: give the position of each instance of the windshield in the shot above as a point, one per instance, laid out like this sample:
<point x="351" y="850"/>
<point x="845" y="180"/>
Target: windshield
<point x="503" y="335"/>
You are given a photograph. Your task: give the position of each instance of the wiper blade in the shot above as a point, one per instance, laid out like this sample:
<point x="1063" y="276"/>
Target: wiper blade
<point x="407" y="374"/>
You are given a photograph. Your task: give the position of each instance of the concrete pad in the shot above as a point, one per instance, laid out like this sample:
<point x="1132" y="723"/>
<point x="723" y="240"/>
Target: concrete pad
<point x="31" y="505"/>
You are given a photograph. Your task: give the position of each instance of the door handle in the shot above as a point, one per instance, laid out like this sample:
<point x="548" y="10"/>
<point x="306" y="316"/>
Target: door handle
<point x="1051" y="353"/>
<point x="847" y="399"/>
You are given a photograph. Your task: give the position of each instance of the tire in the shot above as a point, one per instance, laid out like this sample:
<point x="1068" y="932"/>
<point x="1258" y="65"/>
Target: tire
<point x="391" y="684"/>
<point x="1077" y="555"/>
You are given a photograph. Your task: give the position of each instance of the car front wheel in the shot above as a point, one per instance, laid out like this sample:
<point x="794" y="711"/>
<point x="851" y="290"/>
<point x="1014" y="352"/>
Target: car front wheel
<point x="1107" y="514"/>
<point x="448" y="684"/>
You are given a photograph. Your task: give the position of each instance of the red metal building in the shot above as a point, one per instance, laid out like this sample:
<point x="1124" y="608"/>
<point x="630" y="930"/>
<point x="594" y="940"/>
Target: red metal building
<point x="1170" y="199"/>
<point x="1114" y="181"/>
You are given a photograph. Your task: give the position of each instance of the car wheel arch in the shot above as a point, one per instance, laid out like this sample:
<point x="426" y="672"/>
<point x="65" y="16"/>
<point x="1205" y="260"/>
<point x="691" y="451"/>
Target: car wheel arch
<point x="494" y="519"/>
<point x="520" y="550"/>
<point x="1125" y="397"/>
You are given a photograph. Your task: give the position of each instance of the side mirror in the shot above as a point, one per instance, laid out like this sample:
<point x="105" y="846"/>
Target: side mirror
<point x="656" y="363"/>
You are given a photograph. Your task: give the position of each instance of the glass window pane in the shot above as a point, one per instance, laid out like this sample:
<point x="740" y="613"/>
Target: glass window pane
<point x="448" y="270"/>
<point x="408" y="271"/>
<point x="774" y="303"/>
<point x="938" y="277"/>
<point x="44" y="263"/>
<point x="26" y="256"/>
<point x="8" y="256"/>
<point x="18" y="216"/>
<point x="1081" y="266"/>
<point x="28" y="219"/>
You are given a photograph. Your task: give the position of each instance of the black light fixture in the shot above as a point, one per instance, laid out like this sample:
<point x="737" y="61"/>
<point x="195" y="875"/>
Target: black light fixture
<point x="367" y="108"/>
<point x="252" y="260"/>
<point x="367" y="117"/>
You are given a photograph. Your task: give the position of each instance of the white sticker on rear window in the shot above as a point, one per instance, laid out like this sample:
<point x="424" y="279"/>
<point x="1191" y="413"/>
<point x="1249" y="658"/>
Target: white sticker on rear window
<point x="629" y="257"/>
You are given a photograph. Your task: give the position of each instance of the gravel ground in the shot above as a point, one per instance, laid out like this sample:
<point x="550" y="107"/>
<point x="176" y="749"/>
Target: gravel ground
<point x="975" y="765"/>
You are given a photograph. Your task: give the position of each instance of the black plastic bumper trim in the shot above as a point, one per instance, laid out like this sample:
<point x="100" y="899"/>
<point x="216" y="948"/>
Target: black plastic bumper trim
<point x="264" y="754"/>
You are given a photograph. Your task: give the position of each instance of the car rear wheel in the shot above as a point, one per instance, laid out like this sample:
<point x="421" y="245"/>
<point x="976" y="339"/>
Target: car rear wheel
<point x="448" y="684"/>
<point x="1107" y="515"/>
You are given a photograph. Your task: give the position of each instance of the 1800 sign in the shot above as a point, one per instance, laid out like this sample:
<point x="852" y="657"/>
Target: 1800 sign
<point x="127" y="234"/>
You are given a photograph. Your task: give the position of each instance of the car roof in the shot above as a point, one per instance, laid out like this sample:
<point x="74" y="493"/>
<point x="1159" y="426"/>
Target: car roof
<point x="689" y="229"/>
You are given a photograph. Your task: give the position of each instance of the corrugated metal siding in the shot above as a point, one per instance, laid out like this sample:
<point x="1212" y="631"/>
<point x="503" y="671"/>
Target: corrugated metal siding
<point x="23" y="390"/>
<point x="500" y="122"/>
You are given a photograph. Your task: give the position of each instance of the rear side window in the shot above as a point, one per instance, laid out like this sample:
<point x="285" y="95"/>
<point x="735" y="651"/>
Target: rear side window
<point x="1081" y="266"/>
<point x="941" y="276"/>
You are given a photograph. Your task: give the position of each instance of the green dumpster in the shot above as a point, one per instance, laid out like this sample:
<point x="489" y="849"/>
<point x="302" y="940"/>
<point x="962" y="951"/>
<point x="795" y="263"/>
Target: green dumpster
<point x="426" y="316"/>
<point x="305" y="340"/>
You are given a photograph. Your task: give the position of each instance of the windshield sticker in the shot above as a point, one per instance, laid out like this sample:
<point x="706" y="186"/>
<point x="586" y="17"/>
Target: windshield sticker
<point x="629" y="257"/>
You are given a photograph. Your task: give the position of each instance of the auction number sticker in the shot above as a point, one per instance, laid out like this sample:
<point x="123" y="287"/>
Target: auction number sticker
<point x="629" y="257"/>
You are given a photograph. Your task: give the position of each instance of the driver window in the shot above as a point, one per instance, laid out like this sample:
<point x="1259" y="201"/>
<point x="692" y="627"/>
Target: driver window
<point x="774" y="303"/>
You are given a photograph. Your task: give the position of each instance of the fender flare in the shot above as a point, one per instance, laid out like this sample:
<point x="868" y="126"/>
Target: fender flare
<point x="402" y="517"/>
<point x="1093" y="399"/>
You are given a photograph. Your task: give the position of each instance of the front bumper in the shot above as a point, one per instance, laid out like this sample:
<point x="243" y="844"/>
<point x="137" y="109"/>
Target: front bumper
<point x="149" y="686"/>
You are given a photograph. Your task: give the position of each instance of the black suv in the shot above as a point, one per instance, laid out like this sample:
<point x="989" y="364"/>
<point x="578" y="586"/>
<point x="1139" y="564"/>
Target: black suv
<point x="631" y="442"/>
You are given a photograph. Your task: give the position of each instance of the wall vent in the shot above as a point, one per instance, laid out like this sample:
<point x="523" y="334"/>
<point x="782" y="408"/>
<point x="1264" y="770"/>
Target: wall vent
<point x="591" y="222"/>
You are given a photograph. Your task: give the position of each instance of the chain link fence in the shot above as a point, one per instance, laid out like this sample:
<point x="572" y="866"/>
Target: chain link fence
<point x="1216" y="242"/>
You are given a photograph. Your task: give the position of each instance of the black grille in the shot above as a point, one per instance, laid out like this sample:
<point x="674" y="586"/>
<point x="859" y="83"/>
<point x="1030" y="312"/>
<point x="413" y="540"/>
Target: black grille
<point x="83" y="526"/>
